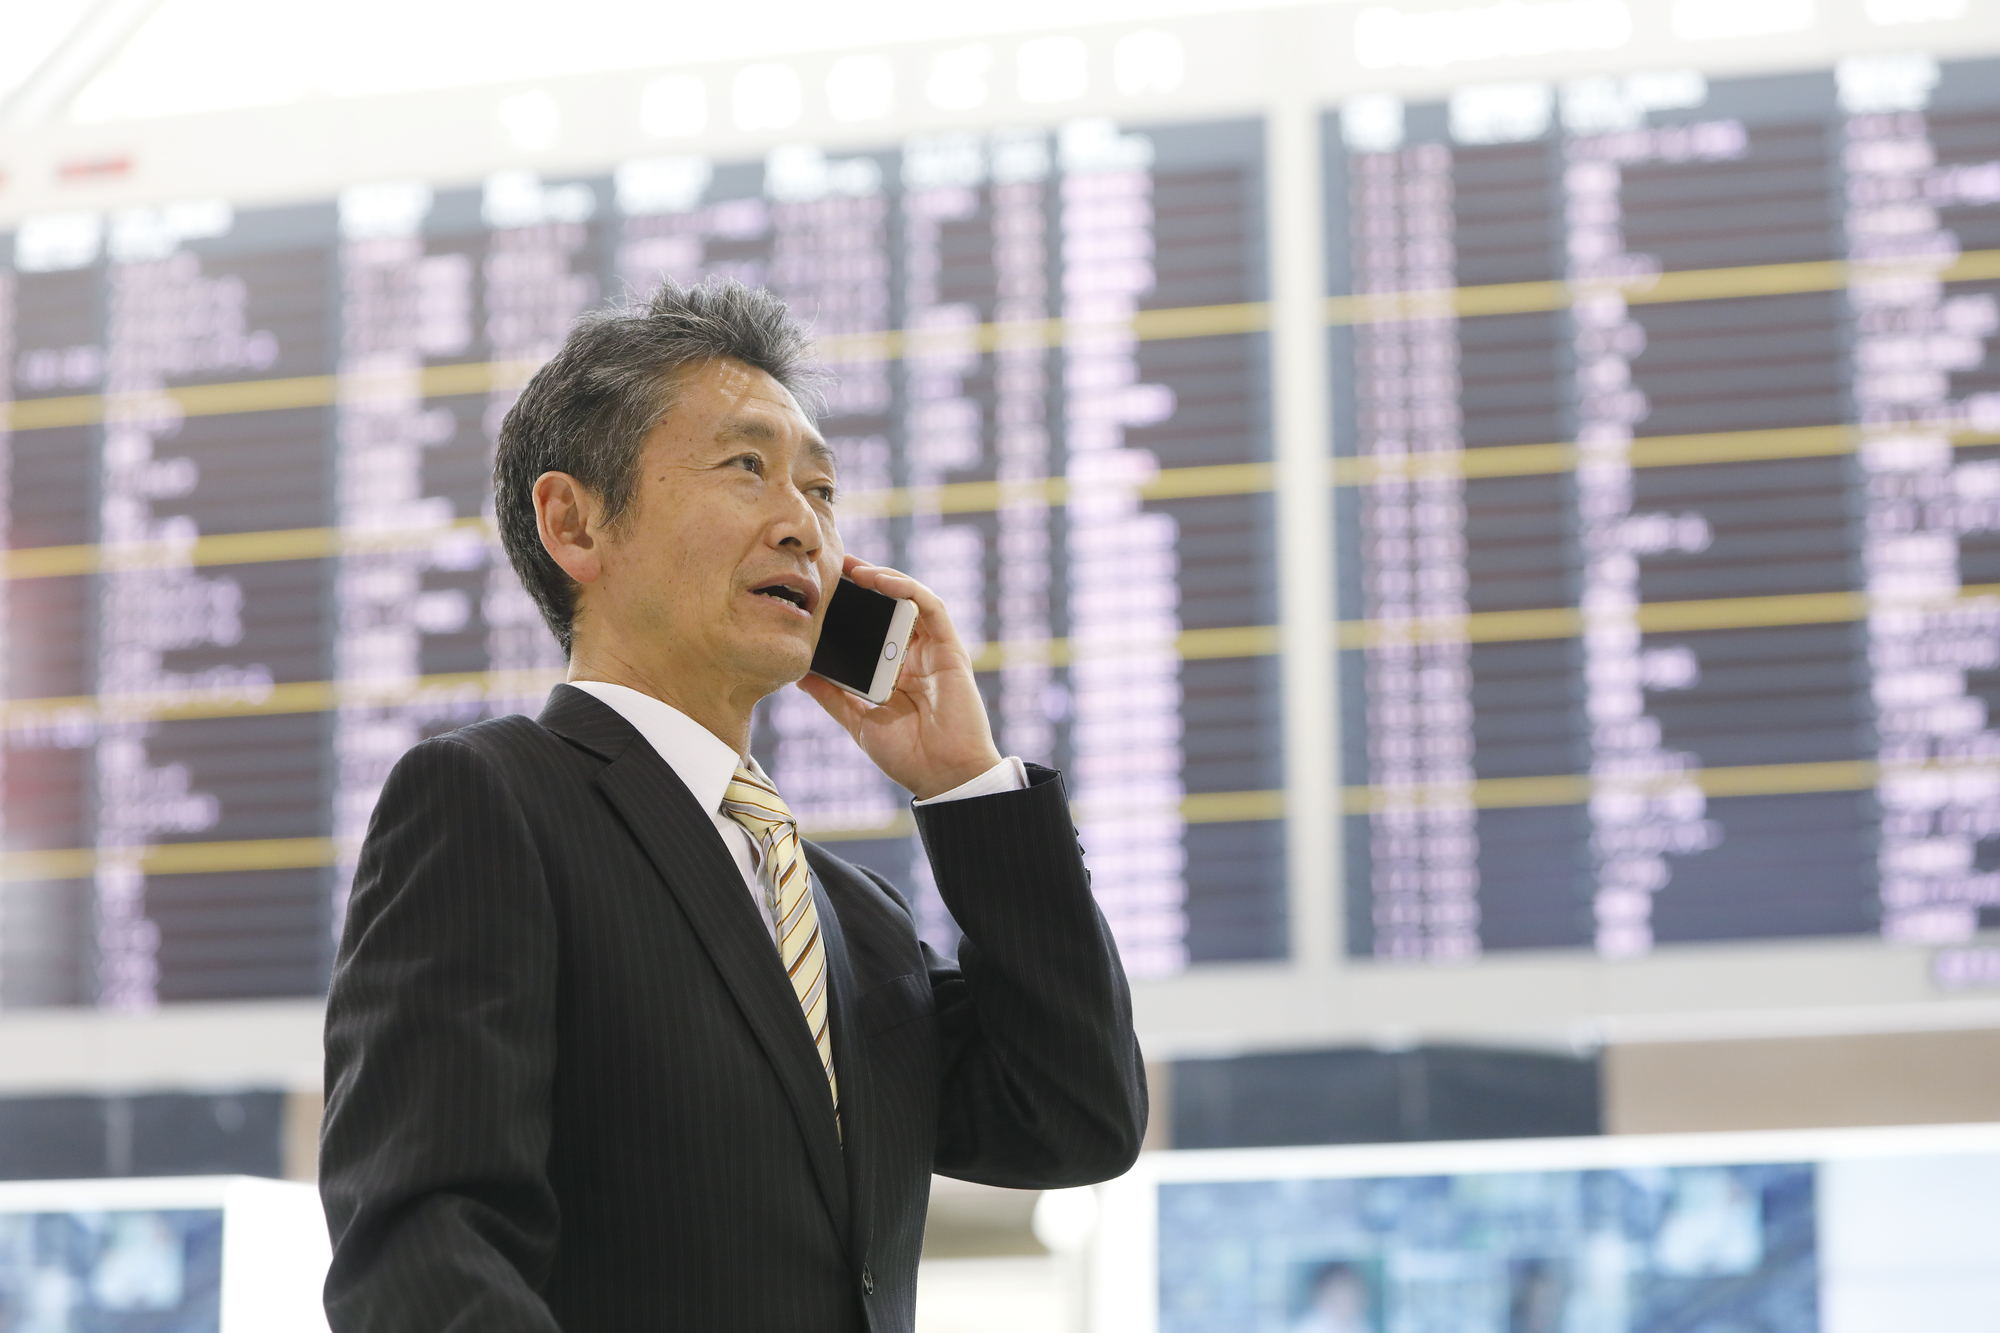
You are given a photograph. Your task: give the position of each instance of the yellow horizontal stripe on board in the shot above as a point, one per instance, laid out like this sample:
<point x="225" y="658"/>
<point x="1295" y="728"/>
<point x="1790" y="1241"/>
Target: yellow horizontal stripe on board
<point x="231" y="548"/>
<point x="1232" y="807"/>
<point x="976" y="497"/>
<point x="1215" y="807"/>
<point x="1575" y="788"/>
<point x="1189" y="646"/>
<point x="244" y="548"/>
<point x="272" y="395"/>
<point x="1808" y="608"/>
<point x="984" y="496"/>
<point x="1789" y="779"/>
<point x="902" y="826"/>
<point x="478" y="377"/>
<point x="1207" y="321"/>
<point x="968" y="497"/>
<point x="174" y="858"/>
<point x="1562" y="622"/>
<point x="1559" y="622"/>
<point x="207" y="858"/>
<point x="1192" y="645"/>
<point x="29" y="715"/>
<point x="70" y="863"/>
<point x="189" y="858"/>
<point x="1651" y="451"/>
<point x="1713" y="284"/>
<point x="445" y="381"/>
<point x="317" y="696"/>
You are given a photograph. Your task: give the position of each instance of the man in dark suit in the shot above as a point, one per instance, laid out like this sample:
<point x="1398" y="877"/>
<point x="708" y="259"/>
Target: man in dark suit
<point x="609" y="1048"/>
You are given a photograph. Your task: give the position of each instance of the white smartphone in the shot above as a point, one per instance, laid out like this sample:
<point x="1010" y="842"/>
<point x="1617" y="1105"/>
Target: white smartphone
<point x="863" y="640"/>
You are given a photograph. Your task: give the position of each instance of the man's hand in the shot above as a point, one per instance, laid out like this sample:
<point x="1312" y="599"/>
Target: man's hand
<point x="932" y="735"/>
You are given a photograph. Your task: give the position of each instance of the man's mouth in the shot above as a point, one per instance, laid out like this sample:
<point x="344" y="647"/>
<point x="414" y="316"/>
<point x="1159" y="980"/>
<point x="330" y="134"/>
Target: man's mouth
<point x="784" y="593"/>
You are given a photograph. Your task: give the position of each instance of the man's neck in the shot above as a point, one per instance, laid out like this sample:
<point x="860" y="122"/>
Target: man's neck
<point x="722" y="709"/>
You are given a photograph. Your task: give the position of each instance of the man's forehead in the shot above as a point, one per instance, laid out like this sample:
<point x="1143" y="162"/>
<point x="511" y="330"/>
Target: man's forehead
<point x="749" y="404"/>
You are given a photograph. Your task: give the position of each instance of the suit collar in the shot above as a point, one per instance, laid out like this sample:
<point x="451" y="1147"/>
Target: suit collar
<point x="680" y="840"/>
<point x="702" y="760"/>
<point x="577" y="717"/>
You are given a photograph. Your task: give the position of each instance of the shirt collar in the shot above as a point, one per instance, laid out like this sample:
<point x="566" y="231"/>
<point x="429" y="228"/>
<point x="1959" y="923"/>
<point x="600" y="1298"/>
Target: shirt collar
<point x="702" y="760"/>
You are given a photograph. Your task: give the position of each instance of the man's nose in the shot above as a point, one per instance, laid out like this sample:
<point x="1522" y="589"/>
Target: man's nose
<point x="797" y="524"/>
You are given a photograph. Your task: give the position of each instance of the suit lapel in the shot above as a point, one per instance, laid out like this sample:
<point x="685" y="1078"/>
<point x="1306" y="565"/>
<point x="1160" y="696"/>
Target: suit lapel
<point x="680" y="840"/>
<point x="850" y="1063"/>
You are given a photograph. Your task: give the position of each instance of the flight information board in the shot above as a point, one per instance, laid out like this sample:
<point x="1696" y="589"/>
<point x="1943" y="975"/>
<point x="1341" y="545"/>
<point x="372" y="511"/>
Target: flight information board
<point x="1668" y="496"/>
<point x="249" y="519"/>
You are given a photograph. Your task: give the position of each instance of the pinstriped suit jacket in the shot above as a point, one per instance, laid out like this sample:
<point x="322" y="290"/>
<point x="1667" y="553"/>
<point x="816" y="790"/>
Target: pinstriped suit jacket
<point x="569" y="1086"/>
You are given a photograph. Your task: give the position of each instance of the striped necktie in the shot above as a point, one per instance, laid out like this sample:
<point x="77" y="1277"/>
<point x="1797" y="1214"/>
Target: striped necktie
<point x="755" y="804"/>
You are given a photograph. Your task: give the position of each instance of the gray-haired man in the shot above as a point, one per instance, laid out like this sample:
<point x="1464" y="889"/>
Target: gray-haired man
<point x="608" y="1047"/>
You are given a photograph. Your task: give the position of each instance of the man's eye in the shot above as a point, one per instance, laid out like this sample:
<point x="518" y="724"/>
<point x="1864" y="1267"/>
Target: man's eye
<point x="824" y="492"/>
<point x="750" y="463"/>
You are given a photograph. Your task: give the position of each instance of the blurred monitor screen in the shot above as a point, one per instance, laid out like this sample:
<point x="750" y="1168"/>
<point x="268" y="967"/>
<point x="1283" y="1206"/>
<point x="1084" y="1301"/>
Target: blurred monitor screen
<point x="1784" y="1233"/>
<point x="192" y="1254"/>
<point x="124" y="1271"/>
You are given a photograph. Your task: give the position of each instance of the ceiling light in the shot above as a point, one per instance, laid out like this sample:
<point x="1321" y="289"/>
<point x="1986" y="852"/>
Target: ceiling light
<point x="958" y="77"/>
<point x="861" y="88"/>
<point x="1147" y="62"/>
<point x="532" y="120"/>
<point x="674" y="106"/>
<point x="1053" y="69"/>
<point x="766" y="97"/>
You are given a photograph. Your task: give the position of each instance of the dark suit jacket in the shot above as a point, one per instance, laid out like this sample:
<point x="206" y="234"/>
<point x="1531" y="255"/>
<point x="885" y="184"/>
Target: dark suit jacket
<point x="569" y="1086"/>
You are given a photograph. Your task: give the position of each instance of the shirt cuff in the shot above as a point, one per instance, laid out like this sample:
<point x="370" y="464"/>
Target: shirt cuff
<point x="1007" y="775"/>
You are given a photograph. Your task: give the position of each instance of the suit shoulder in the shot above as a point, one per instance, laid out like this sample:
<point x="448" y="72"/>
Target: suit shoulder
<point x="513" y="755"/>
<point x="507" y="742"/>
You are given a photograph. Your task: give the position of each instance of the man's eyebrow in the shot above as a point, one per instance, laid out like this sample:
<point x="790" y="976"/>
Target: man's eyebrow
<point x="746" y="428"/>
<point x="753" y="428"/>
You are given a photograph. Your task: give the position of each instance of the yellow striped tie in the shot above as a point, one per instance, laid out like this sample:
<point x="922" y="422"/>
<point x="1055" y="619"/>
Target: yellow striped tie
<point x="755" y="804"/>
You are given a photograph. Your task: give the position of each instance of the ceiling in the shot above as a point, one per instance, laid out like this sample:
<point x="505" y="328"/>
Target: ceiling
<point x="96" y="61"/>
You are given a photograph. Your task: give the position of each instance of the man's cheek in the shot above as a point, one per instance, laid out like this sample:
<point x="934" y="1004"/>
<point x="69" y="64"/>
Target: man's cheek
<point x="698" y="557"/>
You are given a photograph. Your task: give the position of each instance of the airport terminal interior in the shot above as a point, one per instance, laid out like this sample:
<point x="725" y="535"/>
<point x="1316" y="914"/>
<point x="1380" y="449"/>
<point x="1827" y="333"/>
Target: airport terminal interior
<point x="1493" y="506"/>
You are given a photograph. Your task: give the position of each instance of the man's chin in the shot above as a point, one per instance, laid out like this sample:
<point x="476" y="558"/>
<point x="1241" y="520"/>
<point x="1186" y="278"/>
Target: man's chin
<point x="774" y="663"/>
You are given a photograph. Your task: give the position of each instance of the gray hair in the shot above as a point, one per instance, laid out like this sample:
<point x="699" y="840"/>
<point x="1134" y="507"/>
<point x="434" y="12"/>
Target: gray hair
<point x="588" y="411"/>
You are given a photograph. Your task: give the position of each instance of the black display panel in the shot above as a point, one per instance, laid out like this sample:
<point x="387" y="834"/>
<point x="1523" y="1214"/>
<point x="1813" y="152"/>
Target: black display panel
<point x="249" y="519"/>
<point x="1666" y="423"/>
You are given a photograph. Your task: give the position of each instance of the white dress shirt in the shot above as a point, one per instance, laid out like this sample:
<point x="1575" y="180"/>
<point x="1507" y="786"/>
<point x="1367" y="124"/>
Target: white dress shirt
<point x="706" y="765"/>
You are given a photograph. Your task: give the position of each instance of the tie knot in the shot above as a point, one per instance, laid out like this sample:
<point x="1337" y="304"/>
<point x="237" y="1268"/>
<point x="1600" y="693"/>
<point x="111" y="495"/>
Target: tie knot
<point x="752" y="801"/>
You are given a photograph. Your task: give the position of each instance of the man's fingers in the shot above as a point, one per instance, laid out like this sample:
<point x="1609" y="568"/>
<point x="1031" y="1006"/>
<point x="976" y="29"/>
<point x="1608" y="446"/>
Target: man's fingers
<point x="893" y="582"/>
<point x="932" y="618"/>
<point x="843" y="707"/>
<point x="935" y="634"/>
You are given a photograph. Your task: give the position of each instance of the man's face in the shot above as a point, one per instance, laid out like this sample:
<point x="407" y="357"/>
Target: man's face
<point x="721" y="568"/>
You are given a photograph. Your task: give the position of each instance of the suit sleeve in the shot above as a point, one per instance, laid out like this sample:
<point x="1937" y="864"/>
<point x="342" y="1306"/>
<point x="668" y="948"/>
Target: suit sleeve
<point x="1044" y="1086"/>
<point x="439" y="1056"/>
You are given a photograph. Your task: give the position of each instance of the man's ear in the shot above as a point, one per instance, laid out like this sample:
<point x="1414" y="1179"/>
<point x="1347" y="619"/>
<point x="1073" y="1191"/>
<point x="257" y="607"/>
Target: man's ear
<point x="567" y="514"/>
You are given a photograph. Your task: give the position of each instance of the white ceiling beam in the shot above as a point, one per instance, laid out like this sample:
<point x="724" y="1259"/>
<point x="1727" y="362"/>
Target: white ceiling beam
<point x="75" y="61"/>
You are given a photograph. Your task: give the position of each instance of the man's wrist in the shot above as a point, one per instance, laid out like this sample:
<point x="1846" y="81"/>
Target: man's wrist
<point x="1004" y="775"/>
